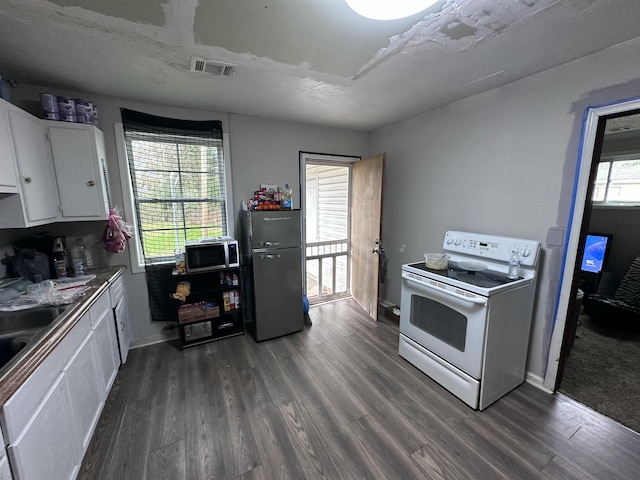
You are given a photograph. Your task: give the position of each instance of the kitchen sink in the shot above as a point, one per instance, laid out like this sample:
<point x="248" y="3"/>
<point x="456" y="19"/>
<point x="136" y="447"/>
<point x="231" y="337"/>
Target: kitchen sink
<point x="18" y="329"/>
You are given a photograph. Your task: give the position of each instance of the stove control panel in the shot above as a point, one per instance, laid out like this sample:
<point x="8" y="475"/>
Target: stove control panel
<point x="492" y="247"/>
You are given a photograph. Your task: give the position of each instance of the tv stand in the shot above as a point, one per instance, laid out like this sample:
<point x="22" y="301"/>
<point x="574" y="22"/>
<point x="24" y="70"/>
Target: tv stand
<point x="589" y="282"/>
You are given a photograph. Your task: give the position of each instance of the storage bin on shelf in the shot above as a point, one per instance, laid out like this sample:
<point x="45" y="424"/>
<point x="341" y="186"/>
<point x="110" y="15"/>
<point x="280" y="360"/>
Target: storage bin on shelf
<point x="196" y="312"/>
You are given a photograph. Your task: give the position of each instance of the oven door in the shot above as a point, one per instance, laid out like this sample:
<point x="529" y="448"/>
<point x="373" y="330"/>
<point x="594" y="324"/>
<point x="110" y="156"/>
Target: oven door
<point x="445" y="320"/>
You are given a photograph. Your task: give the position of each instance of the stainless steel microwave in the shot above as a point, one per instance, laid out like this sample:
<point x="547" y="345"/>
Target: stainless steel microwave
<point x="212" y="253"/>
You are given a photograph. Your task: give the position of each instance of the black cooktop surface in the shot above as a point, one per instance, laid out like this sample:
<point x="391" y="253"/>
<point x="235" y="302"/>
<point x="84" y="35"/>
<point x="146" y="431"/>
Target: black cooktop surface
<point x="483" y="279"/>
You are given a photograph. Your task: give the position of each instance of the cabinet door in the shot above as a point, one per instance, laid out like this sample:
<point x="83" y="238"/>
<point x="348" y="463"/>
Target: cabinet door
<point x="107" y="350"/>
<point x="44" y="450"/>
<point x="122" y="323"/>
<point x="8" y="178"/>
<point x="85" y="391"/>
<point x="37" y="177"/>
<point x="78" y="156"/>
<point x="5" y="469"/>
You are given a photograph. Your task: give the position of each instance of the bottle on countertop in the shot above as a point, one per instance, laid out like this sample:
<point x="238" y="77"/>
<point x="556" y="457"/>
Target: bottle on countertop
<point x="514" y="264"/>
<point x="88" y="256"/>
<point x="59" y="258"/>
<point x="78" y="259"/>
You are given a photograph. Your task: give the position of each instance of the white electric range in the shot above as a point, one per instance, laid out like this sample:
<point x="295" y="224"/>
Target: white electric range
<point x="467" y="327"/>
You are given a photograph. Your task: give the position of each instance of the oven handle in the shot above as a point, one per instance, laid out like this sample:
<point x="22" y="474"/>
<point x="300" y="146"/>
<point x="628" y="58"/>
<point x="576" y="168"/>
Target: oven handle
<point x="478" y="300"/>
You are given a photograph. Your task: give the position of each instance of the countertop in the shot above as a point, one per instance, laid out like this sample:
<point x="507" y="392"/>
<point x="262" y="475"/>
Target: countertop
<point x="30" y="358"/>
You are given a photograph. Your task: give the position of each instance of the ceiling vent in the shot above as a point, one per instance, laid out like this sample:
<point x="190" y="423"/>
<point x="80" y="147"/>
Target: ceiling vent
<point x="212" y="67"/>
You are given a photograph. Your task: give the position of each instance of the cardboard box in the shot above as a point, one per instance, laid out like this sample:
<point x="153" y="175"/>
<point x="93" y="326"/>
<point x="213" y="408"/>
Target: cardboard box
<point x="196" y="312"/>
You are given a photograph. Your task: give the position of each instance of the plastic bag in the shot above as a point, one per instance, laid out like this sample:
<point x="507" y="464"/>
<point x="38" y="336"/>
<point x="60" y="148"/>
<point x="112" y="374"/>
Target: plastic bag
<point x="117" y="232"/>
<point x="48" y="293"/>
<point x="29" y="263"/>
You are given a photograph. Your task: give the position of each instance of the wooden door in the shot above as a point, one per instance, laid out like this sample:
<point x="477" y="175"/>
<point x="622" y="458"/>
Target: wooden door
<point x="366" y="226"/>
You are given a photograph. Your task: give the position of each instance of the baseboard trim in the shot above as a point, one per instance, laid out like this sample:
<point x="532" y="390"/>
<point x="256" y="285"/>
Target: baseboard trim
<point x="537" y="381"/>
<point x="153" y="340"/>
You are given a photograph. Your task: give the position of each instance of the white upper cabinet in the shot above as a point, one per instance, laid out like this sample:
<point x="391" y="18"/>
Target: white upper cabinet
<point x="36" y="201"/>
<point x="8" y="174"/>
<point x="80" y="165"/>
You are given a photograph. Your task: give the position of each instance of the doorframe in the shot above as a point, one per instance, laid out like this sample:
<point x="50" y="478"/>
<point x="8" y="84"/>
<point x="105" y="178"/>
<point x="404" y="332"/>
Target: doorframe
<point x="581" y="185"/>
<point x="305" y="156"/>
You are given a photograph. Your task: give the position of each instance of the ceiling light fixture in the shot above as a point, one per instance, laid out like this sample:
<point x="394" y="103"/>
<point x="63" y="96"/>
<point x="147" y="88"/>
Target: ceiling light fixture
<point x="388" y="9"/>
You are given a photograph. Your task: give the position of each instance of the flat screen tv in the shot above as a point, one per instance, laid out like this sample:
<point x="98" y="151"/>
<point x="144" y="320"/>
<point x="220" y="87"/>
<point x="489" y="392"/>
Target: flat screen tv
<point x="596" y="251"/>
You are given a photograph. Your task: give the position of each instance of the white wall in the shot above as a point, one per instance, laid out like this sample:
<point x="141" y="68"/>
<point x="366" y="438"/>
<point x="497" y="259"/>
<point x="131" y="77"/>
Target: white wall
<point x="267" y="151"/>
<point x="262" y="151"/>
<point x="500" y="162"/>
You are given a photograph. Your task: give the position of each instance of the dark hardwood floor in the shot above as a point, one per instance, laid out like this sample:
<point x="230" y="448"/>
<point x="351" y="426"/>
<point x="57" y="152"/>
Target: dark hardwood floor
<point x="335" y="401"/>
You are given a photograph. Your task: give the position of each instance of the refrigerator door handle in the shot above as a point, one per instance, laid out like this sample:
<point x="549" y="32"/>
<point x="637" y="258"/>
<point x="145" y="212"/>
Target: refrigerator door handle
<point x="270" y="256"/>
<point x="269" y="244"/>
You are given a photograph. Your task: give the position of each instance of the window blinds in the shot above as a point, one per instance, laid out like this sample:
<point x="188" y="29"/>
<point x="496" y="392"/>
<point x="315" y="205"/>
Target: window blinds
<point x="178" y="178"/>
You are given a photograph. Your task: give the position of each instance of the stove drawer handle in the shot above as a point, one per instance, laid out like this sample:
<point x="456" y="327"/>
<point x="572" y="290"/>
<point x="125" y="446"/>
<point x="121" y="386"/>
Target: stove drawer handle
<point x="477" y="300"/>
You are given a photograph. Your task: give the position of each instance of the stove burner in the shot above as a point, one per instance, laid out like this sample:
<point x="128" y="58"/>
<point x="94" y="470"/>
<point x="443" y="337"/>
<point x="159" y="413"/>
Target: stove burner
<point x="483" y="279"/>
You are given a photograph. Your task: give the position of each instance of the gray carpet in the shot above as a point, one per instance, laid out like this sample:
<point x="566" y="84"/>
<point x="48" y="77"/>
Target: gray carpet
<point x="603" y="372"/>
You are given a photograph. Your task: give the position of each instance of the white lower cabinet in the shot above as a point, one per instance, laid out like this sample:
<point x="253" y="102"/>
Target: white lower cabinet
<point x="119" y="304"/>
<point x="106" y="343"/>
<point x="85" y="392"/>
<point x="5" y="469"/>
<point x="48" y="423"/>
<point x="45" y="449"/>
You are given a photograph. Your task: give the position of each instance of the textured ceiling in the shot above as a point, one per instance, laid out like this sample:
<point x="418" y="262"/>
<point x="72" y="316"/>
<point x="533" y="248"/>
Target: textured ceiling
<point x="313" y="61"/>
<point x="628" y="124"/>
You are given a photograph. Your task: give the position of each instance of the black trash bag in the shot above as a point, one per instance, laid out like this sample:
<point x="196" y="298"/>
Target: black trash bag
<point x="28" y="263"/>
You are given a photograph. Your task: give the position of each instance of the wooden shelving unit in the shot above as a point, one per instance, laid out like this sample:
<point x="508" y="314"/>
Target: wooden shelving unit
<point x="206" y="315"/>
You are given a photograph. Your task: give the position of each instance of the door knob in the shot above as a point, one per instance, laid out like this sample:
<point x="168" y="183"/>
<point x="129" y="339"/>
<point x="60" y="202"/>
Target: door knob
<point x="27" y="180"/>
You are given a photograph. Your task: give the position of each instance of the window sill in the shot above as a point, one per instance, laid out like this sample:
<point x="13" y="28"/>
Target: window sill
<point x="601" y="206"/>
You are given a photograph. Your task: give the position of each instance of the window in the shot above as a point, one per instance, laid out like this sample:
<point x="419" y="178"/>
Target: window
<point x="177" y="187"/>
<point x="179" y="191"/>
<point x="618" y="181"/>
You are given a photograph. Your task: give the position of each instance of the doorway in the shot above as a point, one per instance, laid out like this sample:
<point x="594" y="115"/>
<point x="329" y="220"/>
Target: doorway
<point x="342" y="256"/>
<point x="599" y="352"/>
<point x="593" y="133"/>
<point x="327" y="208"/>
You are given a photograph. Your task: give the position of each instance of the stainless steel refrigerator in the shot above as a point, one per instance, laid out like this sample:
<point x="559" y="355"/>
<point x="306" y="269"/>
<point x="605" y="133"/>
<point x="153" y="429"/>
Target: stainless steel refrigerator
<point x="272" y="272"/>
